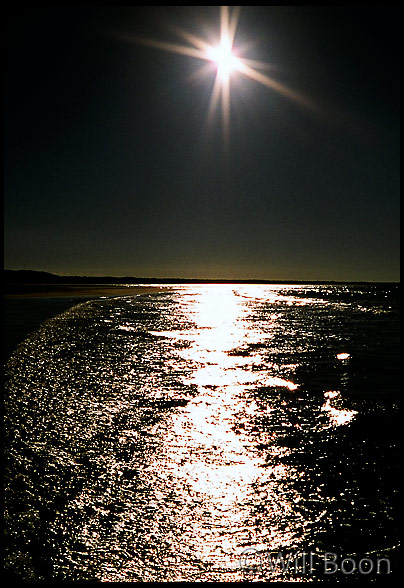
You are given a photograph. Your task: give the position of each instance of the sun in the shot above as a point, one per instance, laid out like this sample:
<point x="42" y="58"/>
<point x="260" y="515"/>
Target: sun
<point x="225" y="59"/>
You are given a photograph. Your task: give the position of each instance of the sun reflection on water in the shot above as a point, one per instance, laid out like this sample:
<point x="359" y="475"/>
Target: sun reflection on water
<point x="181" y="428"/>
<point x="213" y="443"/>
<point x="221" y="479"/>
<point x="337" y="415"/>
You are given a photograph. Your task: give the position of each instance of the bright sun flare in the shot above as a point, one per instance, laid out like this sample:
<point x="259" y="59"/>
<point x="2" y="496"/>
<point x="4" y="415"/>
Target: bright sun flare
<point x="223" y="56"/>
<point x="226" y="63"/>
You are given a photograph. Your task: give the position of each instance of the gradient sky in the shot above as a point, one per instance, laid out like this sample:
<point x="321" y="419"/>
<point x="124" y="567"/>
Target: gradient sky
<point x="112" y="169"/>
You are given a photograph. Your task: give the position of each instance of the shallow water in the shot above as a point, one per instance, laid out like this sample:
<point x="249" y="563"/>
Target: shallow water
<point x="198" y="432"/>
<point x="24" y="314"/>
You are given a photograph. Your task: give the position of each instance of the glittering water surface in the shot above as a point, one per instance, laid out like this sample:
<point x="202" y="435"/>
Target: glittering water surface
<point x="159" y="436"/>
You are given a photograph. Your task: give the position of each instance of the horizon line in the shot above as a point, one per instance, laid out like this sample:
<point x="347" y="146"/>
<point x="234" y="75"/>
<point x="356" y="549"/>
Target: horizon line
<point x="200" y="279"/>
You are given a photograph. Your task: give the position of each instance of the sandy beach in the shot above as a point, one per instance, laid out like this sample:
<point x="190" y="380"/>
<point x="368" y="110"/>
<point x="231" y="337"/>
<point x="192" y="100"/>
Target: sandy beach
<point x="26" y="306"/>
<point x="63" y="290"/>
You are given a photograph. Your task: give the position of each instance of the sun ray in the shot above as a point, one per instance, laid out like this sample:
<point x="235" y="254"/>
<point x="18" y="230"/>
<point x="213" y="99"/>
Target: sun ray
<point x="226" y="110"/>
<point x="224" y="22"/>
<point x="214" y="100"/>
<point x="274" y="85"/>
<point x="194" y="40"/>
<point x="233" y="22"/>
<point x="226" y="63"/>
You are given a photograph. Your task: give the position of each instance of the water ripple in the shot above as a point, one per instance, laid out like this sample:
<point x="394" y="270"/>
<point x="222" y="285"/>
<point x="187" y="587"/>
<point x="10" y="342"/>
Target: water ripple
<point x="156" y="437"/>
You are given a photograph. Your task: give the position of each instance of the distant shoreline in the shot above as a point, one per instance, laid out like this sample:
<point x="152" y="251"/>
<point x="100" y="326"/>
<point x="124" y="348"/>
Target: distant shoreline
<point x="23" y="283"/>
<point x="19" y="282"/>
<point x="35" y="290"/>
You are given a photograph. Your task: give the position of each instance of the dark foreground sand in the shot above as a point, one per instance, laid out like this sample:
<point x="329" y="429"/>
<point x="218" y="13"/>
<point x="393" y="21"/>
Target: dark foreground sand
<point x="26" y="306"/>
<point x="63" y="290"/>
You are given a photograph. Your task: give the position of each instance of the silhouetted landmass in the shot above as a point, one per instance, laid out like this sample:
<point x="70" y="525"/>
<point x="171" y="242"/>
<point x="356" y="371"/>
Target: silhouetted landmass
<point x="28" y="277"/>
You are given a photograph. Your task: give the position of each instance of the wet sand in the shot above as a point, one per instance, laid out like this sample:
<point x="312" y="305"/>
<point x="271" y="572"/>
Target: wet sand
<point x="63" y="290"/>
<point x="26" y="306"/>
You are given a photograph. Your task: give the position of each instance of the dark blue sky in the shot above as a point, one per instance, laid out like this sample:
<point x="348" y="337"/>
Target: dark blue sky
<point x="110" y="167"/>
